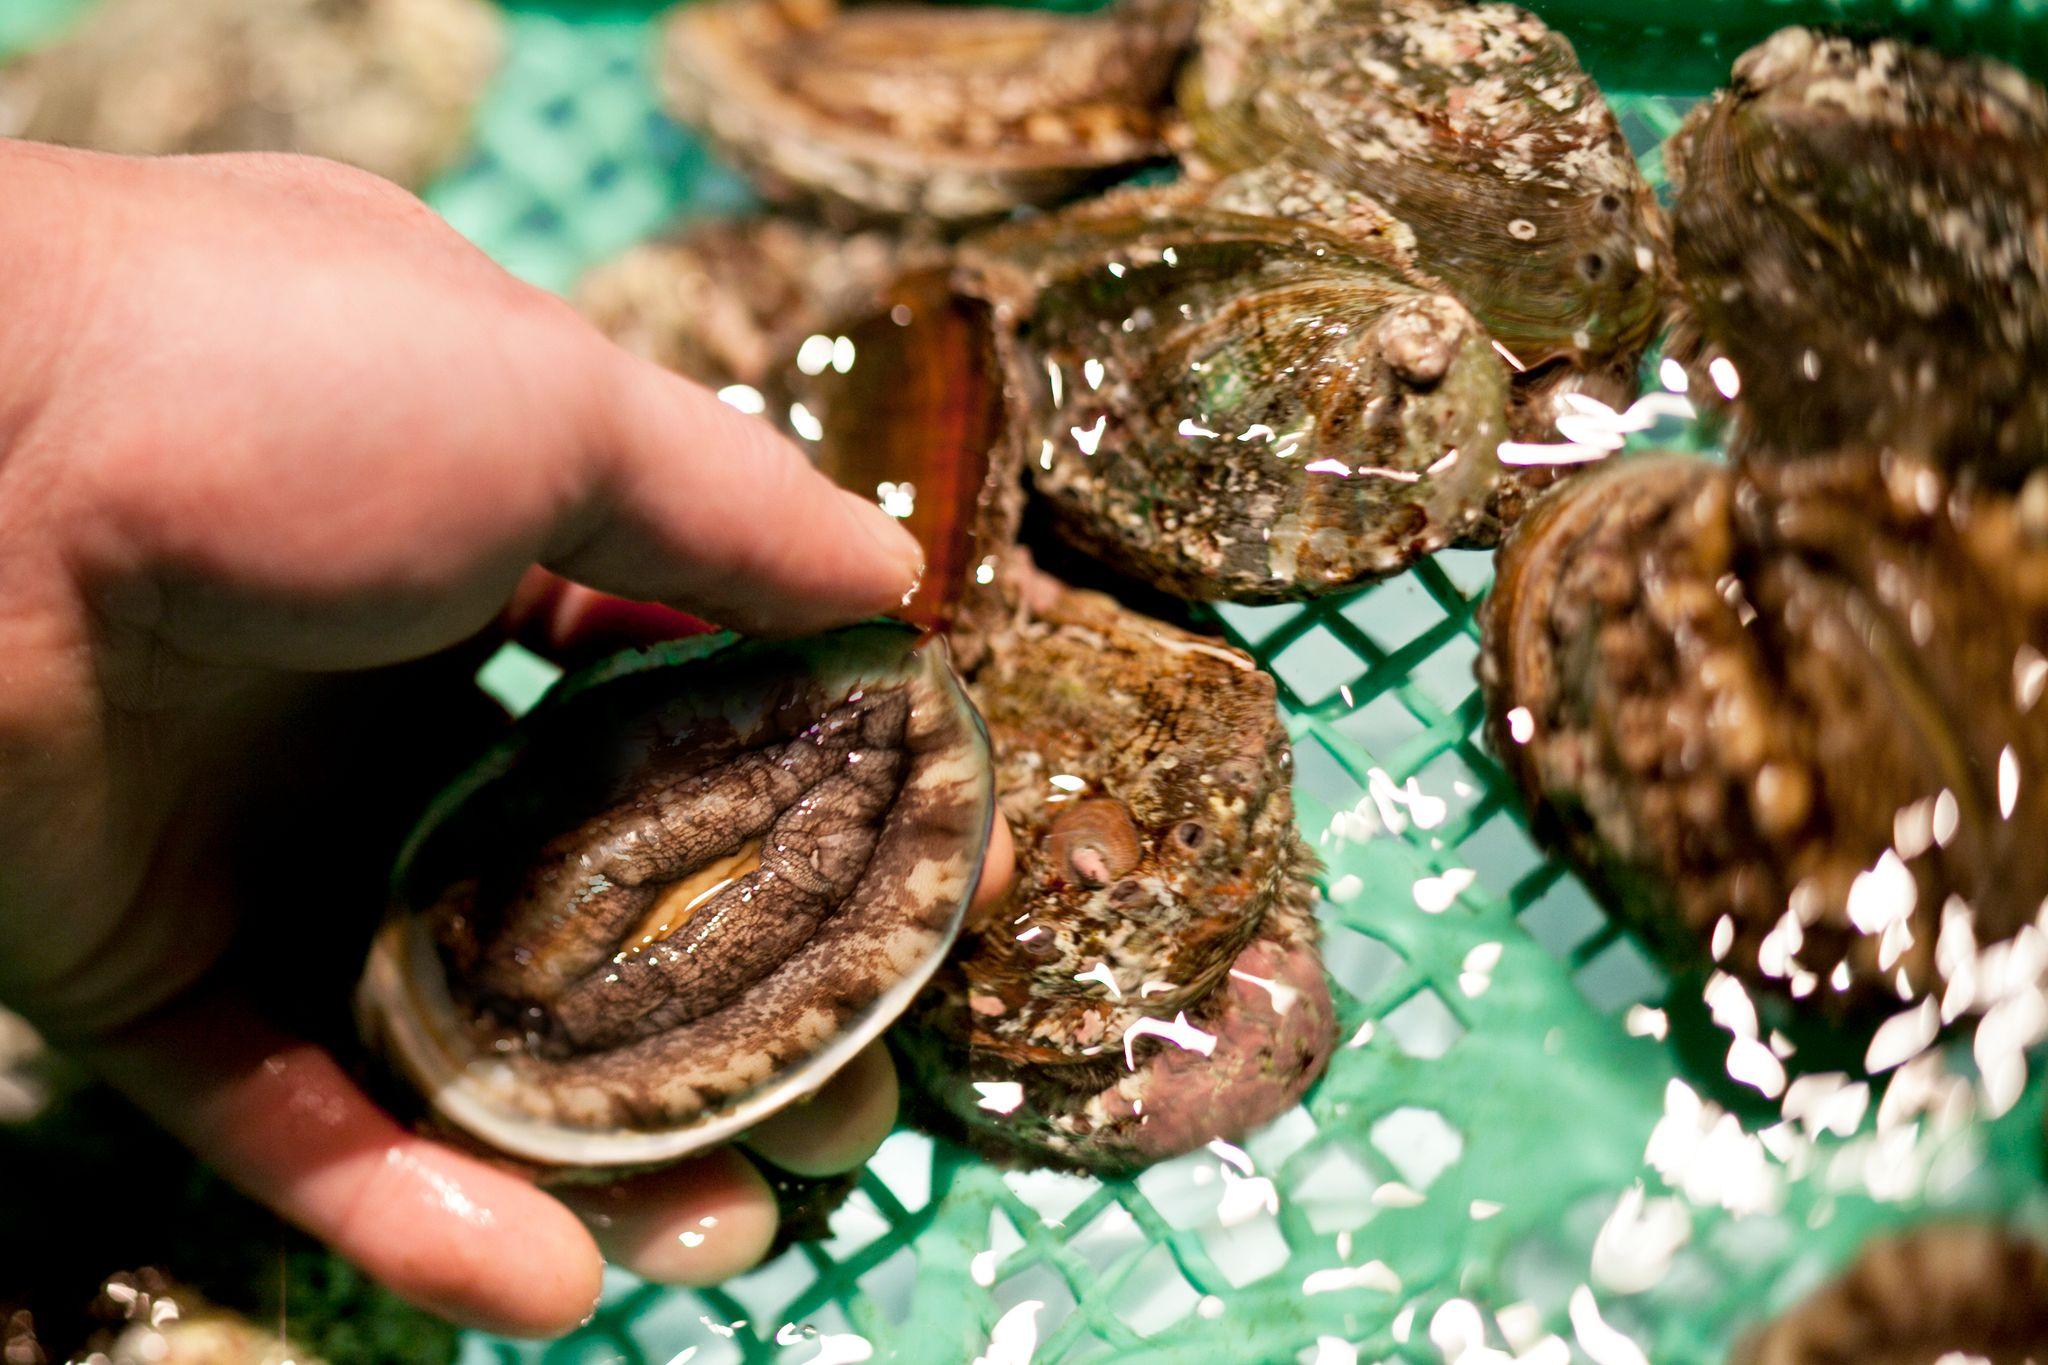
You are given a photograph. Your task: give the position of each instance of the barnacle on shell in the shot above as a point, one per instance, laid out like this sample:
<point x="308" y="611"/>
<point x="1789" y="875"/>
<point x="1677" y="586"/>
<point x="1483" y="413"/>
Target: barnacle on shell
<point x="387" y="85"/>
<point x="925" y="111"/>
<point x="1788" y="721"/>
<point x="1474" y="125"/>
<point x="1861" y="230"/>
<point x="1936" y="1295"/>
<point x="689" y="888"/>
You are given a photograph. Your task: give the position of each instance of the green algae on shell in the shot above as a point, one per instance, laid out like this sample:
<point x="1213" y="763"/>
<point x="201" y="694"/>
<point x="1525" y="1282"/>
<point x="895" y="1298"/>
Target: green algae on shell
<point x="692" y="885"/>
<point x="1474" y="125"/>
<point x="1228" y="402"/>
<point x="1787" y="722"/>
<point x="1861" y="230"/>
<point x="924" y="111"/>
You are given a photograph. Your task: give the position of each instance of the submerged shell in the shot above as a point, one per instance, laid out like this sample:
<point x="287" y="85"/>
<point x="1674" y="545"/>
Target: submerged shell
<point x="922" y="111"/>
<point x="1152" y="982"/>
<point x="1229" y="403"/>
<point x="692" y="886"/>
<point x="1475" y="125"/>
<point x="387" y="85"/>
<point x="1800" y="711"/>
<point x="1861" y="228"/>
<point x="1943" y="1293"/>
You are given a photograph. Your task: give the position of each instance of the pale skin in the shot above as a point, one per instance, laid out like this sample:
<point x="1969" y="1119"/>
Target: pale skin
<point x="280" y="455"/>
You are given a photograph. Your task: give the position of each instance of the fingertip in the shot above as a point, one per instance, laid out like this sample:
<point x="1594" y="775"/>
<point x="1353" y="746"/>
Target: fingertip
<point x="998" y="873"/>
<point x="839" y="1127"/>
<point x="525" y="1266"/>
<point x="695" y="1223"/>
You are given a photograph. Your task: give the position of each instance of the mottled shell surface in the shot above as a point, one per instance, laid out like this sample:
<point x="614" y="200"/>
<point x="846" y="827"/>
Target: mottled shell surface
<point x="1143" y="771"/>
<point x="943" y="113"/>
<point x="692" y="885"/>
<point x="1861" y="228"/>
<point x="1226" y="402"/>
<point x="726" y="300"/>
<point x="387" y="85"/>
<point x="1941" y="1293"/>
<point x="1152" y="982"/>
<point x="1476" y="126"/>
<point x="1789" y="723"/>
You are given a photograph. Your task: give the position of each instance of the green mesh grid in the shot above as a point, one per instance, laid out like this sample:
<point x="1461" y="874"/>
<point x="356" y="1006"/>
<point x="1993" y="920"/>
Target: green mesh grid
<point x="1528" y="1144"/>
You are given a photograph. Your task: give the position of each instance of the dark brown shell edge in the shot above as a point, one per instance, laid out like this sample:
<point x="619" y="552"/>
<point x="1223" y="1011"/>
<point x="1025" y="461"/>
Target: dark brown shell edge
<point x="1939" y="1292"/>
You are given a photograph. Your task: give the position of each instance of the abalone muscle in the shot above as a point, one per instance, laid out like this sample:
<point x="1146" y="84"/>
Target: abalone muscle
<point x="1143" y="771"/>
<point x="1945" y="1293"/>
<point x="1226" y="401"/>
<point x="692" y="885"/>
<point x="1861" y="229"/>
<point x="1474" y="125"/>
<point x="947" y="114"/>
<point x="387" y="85"/>
<point x="1787" y="722"/>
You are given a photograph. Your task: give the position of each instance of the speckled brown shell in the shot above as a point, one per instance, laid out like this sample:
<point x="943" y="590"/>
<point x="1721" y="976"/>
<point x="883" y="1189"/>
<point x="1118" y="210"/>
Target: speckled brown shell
<point x="1861" y="228"/>
<point x="1475" y="125"/>
<point x="1944" y="1293"/>
<point x="510" y="882"/>
<point x="948" y="114"/>
<point x="726" y="300"/>
<point x="1228" y="402"/>
<point x="1806" y="704"/>
<point x="387" y="85"/>
<point x="1088" y="702"/>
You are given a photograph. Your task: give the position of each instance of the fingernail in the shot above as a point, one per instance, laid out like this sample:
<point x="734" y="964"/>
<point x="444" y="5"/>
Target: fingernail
<point x="890" y="535"/>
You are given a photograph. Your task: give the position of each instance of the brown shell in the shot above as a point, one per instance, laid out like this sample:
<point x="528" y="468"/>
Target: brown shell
<point x="387" y="85"/>
<point x="1173" y="768"/>
<point x="1226" y="401"/>
<point x="1803" y="702"/>
<point x="942" y="113"/>
<point x="1090" y="708"/>
<point x="1947" y="1292"/>
<point x="1861" y="228"/>
<point x="1475" y="125"/>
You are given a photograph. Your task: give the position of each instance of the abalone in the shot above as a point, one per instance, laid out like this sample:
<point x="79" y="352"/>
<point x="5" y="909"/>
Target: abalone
<point x="1244" y="388"/>
<point x="692" y="884"/>
<point x="1787" y="721"/>
<point x="387" y="85"/>
<point x="1861" y="230"/>
<point x="1946" y="1292"/>
<point x="1474" y="125"/>
<point x="1155" y="964"/>
<point x="942" y="113"/>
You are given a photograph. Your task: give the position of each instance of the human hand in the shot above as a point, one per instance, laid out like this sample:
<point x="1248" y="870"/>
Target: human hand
<point x="277" y="448"/>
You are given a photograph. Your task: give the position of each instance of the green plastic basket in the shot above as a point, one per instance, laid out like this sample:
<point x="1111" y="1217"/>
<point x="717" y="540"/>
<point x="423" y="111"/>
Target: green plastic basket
<point x="1528" y="1144"/>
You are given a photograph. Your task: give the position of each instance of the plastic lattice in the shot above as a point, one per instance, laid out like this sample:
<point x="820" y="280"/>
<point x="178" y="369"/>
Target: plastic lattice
<point x="1528" y="1145"/>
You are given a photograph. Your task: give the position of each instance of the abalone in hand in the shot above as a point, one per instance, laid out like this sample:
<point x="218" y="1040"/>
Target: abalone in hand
<point x="925" y="111"/>
<point x="1938" y="1295"/>
<point x="1861" y="229"/>
<point x="387" y="85"/>
<point x="1789" y="722"/>
<point x="688" y="889"/>
<point x="1242" y="389"/>
<point x="1474" y="125"/>
<point x="1152" y="980"/>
